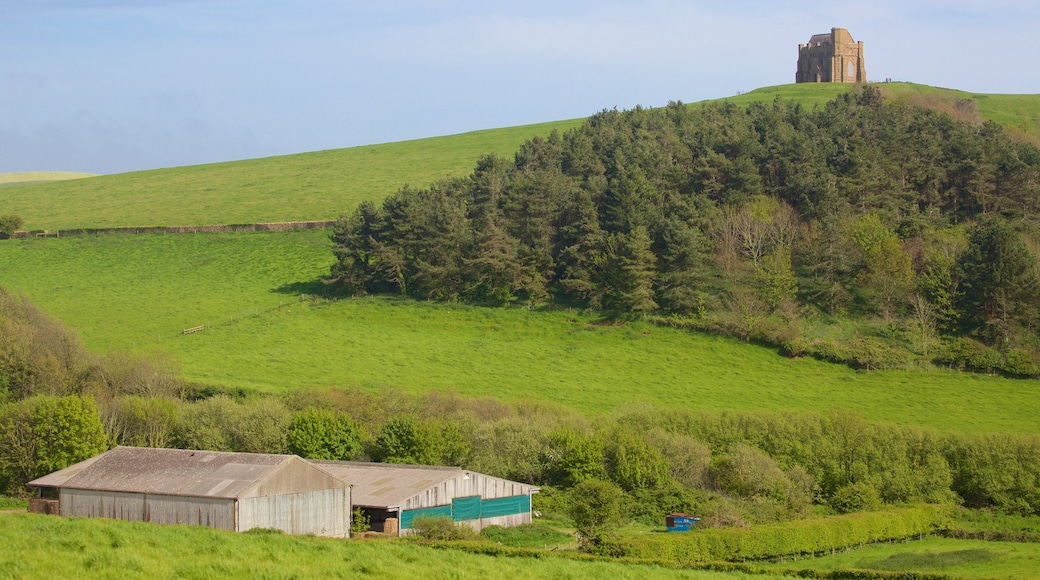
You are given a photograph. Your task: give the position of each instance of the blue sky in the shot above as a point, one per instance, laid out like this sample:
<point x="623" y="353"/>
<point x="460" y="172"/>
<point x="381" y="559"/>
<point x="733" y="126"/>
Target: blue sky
<point x="107" y="86"/>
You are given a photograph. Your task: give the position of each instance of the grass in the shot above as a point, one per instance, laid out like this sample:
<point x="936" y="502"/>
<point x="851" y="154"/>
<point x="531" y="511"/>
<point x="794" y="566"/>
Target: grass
<point x="965" y="558"/>
<point x="50" y="547"/>
<point x="307" y="186"/>
<point x="139" y="292"/>
<point x="325" y="184"/>
<point x="13" y="503"/>
<point x="31" y="177"/>
<point x="982" y="521"/>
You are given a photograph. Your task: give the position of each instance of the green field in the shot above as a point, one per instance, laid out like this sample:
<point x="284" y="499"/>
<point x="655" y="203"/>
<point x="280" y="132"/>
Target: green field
<point x="139" y="292"/>
<point x="322" y="185"/>
<point x="307" y="186"/>
<point x="50" y="547"/>
<point x="964" y="558"/>
<point x="32" y="177"/>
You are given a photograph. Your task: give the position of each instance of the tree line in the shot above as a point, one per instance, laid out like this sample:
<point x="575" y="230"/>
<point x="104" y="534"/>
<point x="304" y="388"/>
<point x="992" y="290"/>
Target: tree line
<point x="729" y="468"/>
<point x="772" y="222"/>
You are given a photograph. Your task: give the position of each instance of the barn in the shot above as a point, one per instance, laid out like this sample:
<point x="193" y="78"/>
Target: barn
<point x="394" y="495"/>
<point x="228" y="491"/>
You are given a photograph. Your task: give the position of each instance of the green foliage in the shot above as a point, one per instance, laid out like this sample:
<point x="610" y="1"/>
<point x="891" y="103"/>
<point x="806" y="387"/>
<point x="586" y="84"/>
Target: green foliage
<point x="442" y="529"/>
<point x="359" y="522"/>
<point x="634" y="464"/>
<point x="220" y="423"/>
<point x="811" y="536"/>
<point x="42" y="434"/>
<point x="9" y="224"/>
<point x="526" y="536"/>
<point x="998" y="281"/>
<point x="317" y="433"/>
<point x="573" y="457"/>
<point x="408" y="439"/>
<point x="855" y="497"/>
<point x="595" y="507"/>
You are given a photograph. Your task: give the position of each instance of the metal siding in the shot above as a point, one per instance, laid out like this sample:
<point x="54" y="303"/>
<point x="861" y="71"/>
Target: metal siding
<point x="322" y="513"/>
<point x="136" y="507"/>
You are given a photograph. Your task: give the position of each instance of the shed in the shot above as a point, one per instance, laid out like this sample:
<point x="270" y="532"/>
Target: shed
<point x="228" y="491"/>
<point x="385" y="491"/>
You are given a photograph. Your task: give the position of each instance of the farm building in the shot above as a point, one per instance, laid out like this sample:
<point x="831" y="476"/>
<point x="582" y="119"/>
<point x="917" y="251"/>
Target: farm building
<point x="229" y="491"/>
<point x="394" y="495"/>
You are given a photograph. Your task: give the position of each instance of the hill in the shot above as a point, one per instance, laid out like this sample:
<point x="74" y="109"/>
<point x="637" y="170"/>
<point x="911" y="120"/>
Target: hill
<point x="32" y="177"/>
<point x="140" y="292"/>
<point x="325" y="184"/>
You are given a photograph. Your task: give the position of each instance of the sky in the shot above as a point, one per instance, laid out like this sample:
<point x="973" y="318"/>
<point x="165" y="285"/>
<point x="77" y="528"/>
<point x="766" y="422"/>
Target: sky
<point x="109" y="86"/>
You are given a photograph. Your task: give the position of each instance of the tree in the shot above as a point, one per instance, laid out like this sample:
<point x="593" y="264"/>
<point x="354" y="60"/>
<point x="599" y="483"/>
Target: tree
<point x="43" y="434"/>
<point x="595" y="506"/>
<point x="998" y="281"/>
<point x="324" y="434"/>
<point x="408" y="439"/>
<point x="9" y="224"/>
<point x="886" y="276"/>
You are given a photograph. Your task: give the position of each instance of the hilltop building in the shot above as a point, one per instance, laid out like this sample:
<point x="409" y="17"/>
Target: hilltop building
<point x="831" y="58"/>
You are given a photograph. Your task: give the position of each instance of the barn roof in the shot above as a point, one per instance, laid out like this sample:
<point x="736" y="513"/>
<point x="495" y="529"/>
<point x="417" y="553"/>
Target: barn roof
<point x="169" y="472"/>
<point x="391" y="484"/>
<point x="387" y="484"/>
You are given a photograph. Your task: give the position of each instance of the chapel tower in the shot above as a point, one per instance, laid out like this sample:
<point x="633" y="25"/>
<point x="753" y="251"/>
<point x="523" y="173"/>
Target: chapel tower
<point x="831" y="58"/>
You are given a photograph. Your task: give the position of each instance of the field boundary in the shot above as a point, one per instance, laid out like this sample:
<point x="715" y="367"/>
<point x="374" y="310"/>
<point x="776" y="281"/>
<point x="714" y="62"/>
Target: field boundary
<point x="212" y="229"/>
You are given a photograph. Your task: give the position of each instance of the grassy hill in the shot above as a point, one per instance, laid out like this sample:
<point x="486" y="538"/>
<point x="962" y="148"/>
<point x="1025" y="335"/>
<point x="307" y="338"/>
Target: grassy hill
<point x="139" y="292"/>
<point x="322" y="185"/>
<point x="30" y="177"/>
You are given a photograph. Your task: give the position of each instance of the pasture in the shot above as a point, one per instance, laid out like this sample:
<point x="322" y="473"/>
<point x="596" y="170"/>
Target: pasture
<point x="140" y="292"/>
<point x="50" y="547"/>
<point x="963" y="558"/>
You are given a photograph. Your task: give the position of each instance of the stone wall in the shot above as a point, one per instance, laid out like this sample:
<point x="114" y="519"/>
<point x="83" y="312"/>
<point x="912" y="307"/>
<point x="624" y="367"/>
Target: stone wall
<point x="831" y="58"/>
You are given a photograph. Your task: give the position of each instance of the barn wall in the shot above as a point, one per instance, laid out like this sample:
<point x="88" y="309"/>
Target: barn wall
<point x="322" y="513"/>
<point x="485" y="486"/>
<point x="159" y="509"/>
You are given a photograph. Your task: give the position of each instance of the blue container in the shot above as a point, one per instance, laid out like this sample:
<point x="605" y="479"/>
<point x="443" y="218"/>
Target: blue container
<point x="680" y="522"/>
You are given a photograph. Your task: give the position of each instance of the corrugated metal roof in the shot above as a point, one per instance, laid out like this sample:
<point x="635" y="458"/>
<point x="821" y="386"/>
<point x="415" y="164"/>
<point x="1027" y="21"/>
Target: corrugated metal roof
<point x="168" y="472"/>
<point x="386" y="484"/>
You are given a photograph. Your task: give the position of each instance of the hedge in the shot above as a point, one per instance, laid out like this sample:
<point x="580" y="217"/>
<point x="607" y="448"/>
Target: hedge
<point x="806" y="537"/>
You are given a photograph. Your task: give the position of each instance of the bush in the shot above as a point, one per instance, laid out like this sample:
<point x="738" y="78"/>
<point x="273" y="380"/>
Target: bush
<point x="442" y="529"/>
<point x="793" y="538"/>
<point x="9" y="224"/>
<point x="855" y="497"/>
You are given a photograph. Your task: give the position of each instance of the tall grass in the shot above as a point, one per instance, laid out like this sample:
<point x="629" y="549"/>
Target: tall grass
<point x="50" y="547"/>
<point x="139" y="292"/>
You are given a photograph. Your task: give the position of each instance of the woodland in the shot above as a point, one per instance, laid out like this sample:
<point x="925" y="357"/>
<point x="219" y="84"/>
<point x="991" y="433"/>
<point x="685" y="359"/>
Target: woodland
<point x="876" y="234"/>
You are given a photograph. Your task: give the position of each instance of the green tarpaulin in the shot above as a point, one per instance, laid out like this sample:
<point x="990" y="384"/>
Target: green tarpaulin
<point x="407" y="516"/>
<point x="505" y="506"/>
<point x="464" y="509"/>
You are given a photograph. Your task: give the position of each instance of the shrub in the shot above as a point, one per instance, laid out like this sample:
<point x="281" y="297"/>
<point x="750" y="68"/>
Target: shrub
<point x="9" y="224"/>
<point x="800" y="537"/>
<point x="855" y="497"/>
<point x="442" y="528"/>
